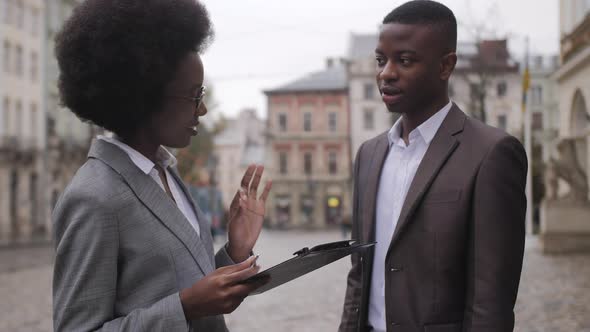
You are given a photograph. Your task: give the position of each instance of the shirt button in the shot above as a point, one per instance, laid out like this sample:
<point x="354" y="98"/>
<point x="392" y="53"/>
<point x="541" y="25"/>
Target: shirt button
<point x="395" y="269"/>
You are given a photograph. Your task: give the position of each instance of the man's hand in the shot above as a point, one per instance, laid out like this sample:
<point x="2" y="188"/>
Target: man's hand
<point x="246" y="214"/>
<point x="220" y="292"/>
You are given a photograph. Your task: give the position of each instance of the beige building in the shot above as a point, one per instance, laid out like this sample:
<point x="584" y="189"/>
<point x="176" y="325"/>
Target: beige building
<point x="486" y="73"/>
<point x="23" y="210"/>
<point x="238" y="145"/>
<point x="68" y="138"/>
<point x="565" y="213"/>
<point x="41" y="144"/>
<point x="543" y="103"/>
<point x="308" y="151"/>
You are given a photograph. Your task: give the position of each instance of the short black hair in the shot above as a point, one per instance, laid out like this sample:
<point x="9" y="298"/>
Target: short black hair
<point x="430" y="13"/>
<point x="117" y="56"/>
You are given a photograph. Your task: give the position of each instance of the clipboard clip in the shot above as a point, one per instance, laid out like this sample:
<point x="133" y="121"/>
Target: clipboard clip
<point x="327" y="246"/>
<point x="301" y="252"/>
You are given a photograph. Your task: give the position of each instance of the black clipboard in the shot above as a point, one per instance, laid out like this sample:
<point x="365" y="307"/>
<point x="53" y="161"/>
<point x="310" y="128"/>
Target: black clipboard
<point x="305" y="261"/>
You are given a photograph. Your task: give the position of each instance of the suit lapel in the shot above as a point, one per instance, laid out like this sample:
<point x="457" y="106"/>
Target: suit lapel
<point x="153" y="198"/>
<point x="203" y="224"/>
<point x="370" y="194"/>
<point x="441" y="148"/>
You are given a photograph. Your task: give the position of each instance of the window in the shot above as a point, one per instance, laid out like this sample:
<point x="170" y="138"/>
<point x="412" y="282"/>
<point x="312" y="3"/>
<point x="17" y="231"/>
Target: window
<point x="307" y="121"/>
<point x="20" y="14"/>
<point x="536" y="95"/>
<point x="307" y="163"/>
<point x="7" y="56"/>
<point x="369" y="91"/>
<point x="8" y="13"/>
<point x="501" y="89"/>
<point x="6" y="117"/>
<point x="369" y="119"/>
<point x="34" y="67"/>
<point x="332" y="124"/>
<point x="33" y="120"/>
<point x="332" y="162"/>
<point x="34" y="21"/>
<point x="474" y="91"/>
<point x="502" y="122"/>
<point x="18" y="58"/>
<point x="283" y="162"/>
<point x="282" y="122"/>
<point x="537" y="120"/>
<point x="18" y="117"/>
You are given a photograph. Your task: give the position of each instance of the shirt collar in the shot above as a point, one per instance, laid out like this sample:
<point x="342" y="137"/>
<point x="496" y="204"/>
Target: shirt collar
<point x="164" y="158"/>
<point x="426" y="130"/>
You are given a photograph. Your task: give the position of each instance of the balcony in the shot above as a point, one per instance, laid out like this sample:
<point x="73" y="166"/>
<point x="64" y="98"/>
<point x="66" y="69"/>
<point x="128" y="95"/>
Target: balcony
<point x="576" y="41"/>
<point x="15" y="149"/>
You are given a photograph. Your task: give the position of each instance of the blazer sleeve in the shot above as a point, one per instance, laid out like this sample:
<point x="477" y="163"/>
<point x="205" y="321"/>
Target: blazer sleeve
<point x="222" y="258"/>
<point x="85" y="276"/>
<point x="352" y="299"/>
<point x="496" y="238"/>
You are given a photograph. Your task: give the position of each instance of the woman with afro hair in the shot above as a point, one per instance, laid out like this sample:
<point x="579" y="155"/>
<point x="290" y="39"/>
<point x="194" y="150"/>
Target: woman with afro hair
<point x="133" y="251"/>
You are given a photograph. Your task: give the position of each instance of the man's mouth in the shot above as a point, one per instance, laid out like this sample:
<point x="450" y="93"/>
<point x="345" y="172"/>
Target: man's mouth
<point x="390" y="95"/>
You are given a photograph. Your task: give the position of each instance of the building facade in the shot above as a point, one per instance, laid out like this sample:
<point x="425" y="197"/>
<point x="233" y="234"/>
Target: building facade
<point x="566" y="208"/>
<point x="23" y="208"/>
<point x="68" y="138"/>
<point x="486" y="77"/>
<point x="239" y="144"/>
<point x="543" y="103"/>
<point x="368" y="115"/>
<point x="41" y="144"/>
<point x="308" y="149"/>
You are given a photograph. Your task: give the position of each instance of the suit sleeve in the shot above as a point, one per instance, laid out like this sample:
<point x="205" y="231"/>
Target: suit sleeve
<point x="85" y="276"/>
<point x="350" y="314"/>
<point x="222" y="257"/>
<point x="496" y="239"/>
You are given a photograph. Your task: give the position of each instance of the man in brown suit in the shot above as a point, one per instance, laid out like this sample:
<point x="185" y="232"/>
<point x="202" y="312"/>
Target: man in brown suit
<point x="442" y="194"/>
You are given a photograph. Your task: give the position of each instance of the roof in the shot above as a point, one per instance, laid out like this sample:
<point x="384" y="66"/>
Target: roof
<point x="487" y="54"/>
<point x="331" y="79"/>
<point x="362" y="46"/>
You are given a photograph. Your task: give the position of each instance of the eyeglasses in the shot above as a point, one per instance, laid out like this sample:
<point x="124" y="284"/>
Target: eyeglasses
<point x="197" y="99"/>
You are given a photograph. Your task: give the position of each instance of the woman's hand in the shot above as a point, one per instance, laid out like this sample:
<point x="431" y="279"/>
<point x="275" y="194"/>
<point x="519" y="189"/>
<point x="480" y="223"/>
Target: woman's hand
<point x="221" y="291"/>
<point x="246" y="214"/>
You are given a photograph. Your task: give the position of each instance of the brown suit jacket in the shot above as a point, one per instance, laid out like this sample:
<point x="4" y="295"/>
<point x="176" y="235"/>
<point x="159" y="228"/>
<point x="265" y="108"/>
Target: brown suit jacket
<point x="455" y="258"/>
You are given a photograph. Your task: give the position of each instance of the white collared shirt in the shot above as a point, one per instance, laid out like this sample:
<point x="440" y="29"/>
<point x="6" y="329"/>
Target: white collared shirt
<point x="165" y="159"/>
<point x="396" y="177"/>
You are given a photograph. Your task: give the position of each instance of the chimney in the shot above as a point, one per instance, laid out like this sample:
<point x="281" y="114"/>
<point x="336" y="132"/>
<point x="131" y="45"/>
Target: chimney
<point x="329" y="63"/>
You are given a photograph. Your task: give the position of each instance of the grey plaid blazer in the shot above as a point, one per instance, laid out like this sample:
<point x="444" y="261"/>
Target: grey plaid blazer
<point x="124" y="251"/>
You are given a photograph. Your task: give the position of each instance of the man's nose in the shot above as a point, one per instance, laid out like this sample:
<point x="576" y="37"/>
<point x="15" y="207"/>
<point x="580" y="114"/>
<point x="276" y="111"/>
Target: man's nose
<point x="389" y="72"/>
<point x="202" y="109"/>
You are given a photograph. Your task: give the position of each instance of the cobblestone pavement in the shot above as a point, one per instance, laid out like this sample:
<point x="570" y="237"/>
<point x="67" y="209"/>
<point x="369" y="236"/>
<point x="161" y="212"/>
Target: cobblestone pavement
<point x="554" y="293"/>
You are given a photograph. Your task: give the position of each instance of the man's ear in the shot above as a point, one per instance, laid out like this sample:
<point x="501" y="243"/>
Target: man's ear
<point x="447" y="65"/>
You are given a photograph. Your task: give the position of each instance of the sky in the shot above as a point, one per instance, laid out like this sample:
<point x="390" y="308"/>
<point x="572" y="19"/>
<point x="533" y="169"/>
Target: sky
<point x="262" y="44"/>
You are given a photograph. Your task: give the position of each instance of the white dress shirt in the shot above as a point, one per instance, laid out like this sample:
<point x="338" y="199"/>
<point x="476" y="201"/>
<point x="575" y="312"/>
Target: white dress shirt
<point x="398" y="172"/>
<point x="165" y="159"/>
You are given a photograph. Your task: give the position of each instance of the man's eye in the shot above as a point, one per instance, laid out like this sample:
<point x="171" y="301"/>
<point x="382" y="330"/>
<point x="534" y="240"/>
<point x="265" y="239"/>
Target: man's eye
<point x="405" y="61"/>
<point x="380" y="61"/>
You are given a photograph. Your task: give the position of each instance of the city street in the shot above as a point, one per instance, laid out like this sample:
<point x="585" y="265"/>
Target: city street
<point x="554" y="294"/>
